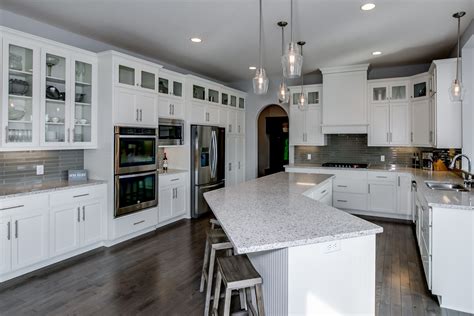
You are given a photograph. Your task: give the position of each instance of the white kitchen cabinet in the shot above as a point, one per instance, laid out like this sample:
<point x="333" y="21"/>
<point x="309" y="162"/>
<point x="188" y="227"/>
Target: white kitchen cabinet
<point x="202" y="113"/>
<point x="231" y="160"/>
<point x="64" y="229"/>
<point x="172" y="195"/>
<point x="134" y="108"/>
<point x="171" y="95"/>
<point x="382" y="197"/>
<point x="28" y="236"/>
<point x="389" y="113"/>
<point x="232" y="121"/>
<point x="91" y="229"/>
<point x="404" y="195"/>
<point x="130" y="73"/>
<point x="20" y="105"/>
<point x="344" y="100"/>
<point x="446" y="114"/>
<point x="5" y="245"/>
<point x="239" y="163"/>
<point x="421" y="132"/>
<point x="305" y="125"/>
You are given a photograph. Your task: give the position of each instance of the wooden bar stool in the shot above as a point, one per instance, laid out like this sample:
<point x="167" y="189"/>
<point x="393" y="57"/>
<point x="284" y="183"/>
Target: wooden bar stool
<point x="214" y="223"/>
<point x="216" y="240"/>
<point x="238" y="273"/>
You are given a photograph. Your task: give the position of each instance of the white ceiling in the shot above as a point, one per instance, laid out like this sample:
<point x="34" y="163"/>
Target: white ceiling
<point x="337" y="32"/>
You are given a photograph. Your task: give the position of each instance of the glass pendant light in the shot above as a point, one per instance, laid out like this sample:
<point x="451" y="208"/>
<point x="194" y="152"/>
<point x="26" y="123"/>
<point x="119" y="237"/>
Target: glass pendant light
<point x="456" y="91"/>
<point x="283" y="91"/>
<point x="302" y="97"/>
<point x="292" y="60"/>
<point x="260" y="81"/>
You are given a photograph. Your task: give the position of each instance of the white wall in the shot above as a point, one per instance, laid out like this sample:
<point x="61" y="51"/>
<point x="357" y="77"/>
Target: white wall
<point x="468" y="102"/>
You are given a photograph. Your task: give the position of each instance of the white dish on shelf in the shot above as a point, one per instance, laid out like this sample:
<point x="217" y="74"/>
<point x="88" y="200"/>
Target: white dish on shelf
<point x="83" y="121"/>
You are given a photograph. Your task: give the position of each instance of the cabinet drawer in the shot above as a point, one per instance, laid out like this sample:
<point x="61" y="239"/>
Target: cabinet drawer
<point x="350" y="185"/>
<point x="350" y="201"/>
<point x="382" y="176"/>
<point x="172" y="179"/>
<point x="34" y="201"/>
<point x="324" y="190"/>
<point x="78" y="195"/>
<point x="135" y="222"/>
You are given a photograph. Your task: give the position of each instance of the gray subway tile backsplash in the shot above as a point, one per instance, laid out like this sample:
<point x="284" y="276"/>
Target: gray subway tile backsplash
<point x="353" y="148"/>
<point x="20" y="167"/>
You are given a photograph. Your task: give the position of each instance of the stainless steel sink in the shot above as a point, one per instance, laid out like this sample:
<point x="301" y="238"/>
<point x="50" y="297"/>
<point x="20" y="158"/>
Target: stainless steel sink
<point x="446" y="186"/>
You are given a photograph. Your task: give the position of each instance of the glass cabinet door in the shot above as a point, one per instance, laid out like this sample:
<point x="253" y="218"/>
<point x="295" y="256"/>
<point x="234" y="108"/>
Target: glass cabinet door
<point x="147" y="80"/>
<point x="379" y="94"/>
<point x="419" y="89"/>
<point x="313" y="97"/>
<point x="126" y="75"/>
<point x="241" y="103"/>
<point x="20" y="112"/>
<point x="82" y="115"/>
<point x="224" y="99"/>
<point x="398" y="92"/>
<point x="163" y="85"/>
<point x="233" y="101"/>
<point x="55" y="110"/>
<point x="199" y="92"/>
<point x="177" y="89"/>
<point x="213" y="96"/>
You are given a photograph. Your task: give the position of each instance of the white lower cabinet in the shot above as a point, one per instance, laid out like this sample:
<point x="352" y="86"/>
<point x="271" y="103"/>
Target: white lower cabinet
<point x="172" y="197"/>
<point x="404" y="195"/>
<point x="42" y="229"/>
<point x="382" y="197"/>
<point x="235" y="157"/>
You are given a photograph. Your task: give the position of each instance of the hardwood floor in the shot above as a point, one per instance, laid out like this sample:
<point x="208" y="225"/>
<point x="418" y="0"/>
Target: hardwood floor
<point x="159" y="274"/>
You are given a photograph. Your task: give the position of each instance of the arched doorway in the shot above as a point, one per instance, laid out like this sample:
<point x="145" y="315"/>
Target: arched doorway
<point x="272" y="140"/>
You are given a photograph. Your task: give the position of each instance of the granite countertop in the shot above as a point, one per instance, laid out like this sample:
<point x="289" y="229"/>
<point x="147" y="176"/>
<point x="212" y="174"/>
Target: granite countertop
<point x="12" y="190"/>
<point x="434" y="198"/>
<point x="272" y="213"/>
<point x="171" y="171"/>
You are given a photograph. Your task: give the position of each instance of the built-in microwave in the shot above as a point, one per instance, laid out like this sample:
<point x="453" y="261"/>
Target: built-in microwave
<point x="170" y="132"/>
<point x="135" y="150"/>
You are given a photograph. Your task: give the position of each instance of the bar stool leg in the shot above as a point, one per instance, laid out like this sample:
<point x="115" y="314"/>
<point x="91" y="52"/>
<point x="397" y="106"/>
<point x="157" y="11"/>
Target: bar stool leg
<point x="249" y="301"/>
<point x="210" y="276"/>
<point x="204" y="266"/>
<point x="228" y="295"/>
<point x="243" y="299"/>
<point x="217" y="294"/>
<point x="259" y="295"/>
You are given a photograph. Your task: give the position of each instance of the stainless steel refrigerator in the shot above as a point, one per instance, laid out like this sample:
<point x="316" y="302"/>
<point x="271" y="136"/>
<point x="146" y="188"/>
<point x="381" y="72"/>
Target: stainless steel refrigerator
<point x="207" y="165"/>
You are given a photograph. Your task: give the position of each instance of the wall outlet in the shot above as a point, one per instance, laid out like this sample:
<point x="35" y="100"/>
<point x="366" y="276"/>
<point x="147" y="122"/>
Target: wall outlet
<point x="308" y="156"/>
<point x="332" y="246"/>
<point x="39" y="170"/>
<point x="382" y="158"/>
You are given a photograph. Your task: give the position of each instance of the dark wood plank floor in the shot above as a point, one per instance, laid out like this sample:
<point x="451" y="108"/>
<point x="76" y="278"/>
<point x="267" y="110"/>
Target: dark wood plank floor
<point x="159" y="275"/>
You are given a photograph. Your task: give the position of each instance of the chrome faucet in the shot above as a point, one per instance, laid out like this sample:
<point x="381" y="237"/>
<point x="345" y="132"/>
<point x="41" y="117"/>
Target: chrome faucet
<point x="467" y="177"/>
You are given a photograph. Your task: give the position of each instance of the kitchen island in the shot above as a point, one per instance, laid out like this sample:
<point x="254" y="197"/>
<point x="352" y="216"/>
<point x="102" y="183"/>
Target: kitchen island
<point x="313" y="258"/>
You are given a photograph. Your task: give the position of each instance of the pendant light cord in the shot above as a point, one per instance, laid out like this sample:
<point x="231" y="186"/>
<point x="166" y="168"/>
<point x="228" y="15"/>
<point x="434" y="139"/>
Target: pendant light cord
<point x="260" y="38"/>
<point x="457" y="59"/>
<point x="291" y="21"/>
<point x="302" y="75"/>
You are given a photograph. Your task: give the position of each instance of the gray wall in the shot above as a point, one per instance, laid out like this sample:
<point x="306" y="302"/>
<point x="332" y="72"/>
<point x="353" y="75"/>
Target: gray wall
<point x="18" y="168"/>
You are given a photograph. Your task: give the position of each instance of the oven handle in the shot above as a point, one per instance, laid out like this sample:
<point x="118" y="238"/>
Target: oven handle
<point x="135" y="175"/>
<point x="137" y="136"/>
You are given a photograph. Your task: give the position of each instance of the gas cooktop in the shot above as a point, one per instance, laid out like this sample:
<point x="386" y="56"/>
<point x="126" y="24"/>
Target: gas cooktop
<point x="345" y="165"/>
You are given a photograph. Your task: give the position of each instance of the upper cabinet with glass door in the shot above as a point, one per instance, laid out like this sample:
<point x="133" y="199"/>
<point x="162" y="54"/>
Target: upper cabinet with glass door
<point x="85" y="100"/>
<point x="420" y="86"/>
<point x="170" y="85"/>
<point x="388" y="90"/>
<point x="20" y="105"/>
<point x="56" y="105"/>
<point x="313" y="95"/>
<point x="137" y="75"/>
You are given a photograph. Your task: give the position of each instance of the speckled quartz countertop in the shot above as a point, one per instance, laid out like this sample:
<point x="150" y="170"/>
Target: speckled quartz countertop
<point x="171" y="171"/>
<point x="12" y="190"/>
<point x="434" y="198"/>
<point x="272" y="213"/>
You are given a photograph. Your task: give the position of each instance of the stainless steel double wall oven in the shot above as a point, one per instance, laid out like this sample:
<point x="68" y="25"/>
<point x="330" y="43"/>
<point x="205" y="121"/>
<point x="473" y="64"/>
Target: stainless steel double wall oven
<point x="136" y="169"/>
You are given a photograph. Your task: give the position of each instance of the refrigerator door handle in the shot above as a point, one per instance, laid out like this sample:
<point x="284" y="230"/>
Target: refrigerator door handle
<point x="211" y="155"/>
<point x="215" y="153"/>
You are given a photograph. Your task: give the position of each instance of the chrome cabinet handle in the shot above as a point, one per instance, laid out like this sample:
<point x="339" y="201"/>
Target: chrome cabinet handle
<point x="16" y="229"/>
<point x="368" y="187"/>
<point x="169" y="111"/>
<point x="78" y="214"/>
<point x="141" y="115"/>
<point x="411" y="136"/>
<point x="83" y="213"/>
<point x="398" y="180"/>
<point x="382" y="177"/>
<point x="173" y="108"/>
<point x="11" y="207"/>
<point x="239" y="165"/>
<point x="136" y="119"/>
<point x="387" y="138"/>
<point x="323" y="191"/>
<point x="230" y="128"/>
<point x="137" y="223"/>
<point x="175" y="179"/>
<point x="9" y="231"/>
<point x="230" y="166"/>
<point x="80" y="195"/>
<point x="239" y="129"/>
<point x="68" y="135"/>
<point x="6" y="134"/>
<point x="343" y="201"/>
<point x="342" y="186"/>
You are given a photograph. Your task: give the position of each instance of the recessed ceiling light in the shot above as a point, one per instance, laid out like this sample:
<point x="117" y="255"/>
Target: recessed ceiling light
<point x="196" y="40"/>
<point x="367" y="7"/>
<point x="376" y="53"/>
<point x="252" y="67"/>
